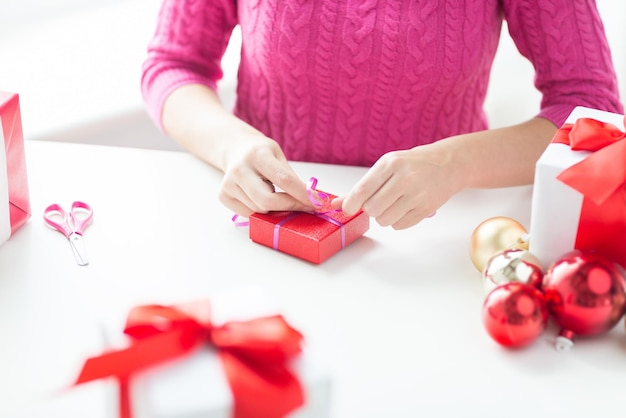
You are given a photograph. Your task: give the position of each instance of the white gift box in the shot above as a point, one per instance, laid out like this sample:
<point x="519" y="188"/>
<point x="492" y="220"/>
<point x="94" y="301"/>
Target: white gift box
<point x="195" y="386"/>
<point x="556" y="207"/>
<point x="89" y="401"/>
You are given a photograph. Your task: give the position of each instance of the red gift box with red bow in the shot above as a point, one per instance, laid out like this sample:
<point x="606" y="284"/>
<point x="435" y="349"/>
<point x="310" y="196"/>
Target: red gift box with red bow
<point x="311" y="236"/>
<point x="579" y="195"/>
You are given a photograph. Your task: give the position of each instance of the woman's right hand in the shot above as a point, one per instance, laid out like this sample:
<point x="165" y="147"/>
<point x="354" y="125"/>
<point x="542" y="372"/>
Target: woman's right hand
<point x="258" y="178"/>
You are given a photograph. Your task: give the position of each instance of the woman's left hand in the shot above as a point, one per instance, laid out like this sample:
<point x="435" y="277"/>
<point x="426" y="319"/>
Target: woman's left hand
<point x="404" y="187"/>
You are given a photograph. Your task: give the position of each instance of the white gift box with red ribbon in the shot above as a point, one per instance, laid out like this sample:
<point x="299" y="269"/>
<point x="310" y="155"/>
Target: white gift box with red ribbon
<point x="195" y="385"/>
<point x="558" y="210"/>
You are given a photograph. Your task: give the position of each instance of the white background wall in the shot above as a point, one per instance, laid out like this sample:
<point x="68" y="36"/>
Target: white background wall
<point x="511" y="92"/>
<point x="76" y="65"/>
<point x="12" y="11"/>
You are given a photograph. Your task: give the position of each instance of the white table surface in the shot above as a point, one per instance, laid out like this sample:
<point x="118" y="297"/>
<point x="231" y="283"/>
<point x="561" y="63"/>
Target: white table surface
<point x="397" y="313"/>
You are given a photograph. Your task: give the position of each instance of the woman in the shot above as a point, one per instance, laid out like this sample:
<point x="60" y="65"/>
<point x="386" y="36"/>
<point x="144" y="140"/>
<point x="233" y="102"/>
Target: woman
<point x="395" y="85"/>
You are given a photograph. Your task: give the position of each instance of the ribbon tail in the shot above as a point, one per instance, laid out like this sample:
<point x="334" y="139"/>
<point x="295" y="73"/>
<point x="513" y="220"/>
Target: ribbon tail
<point x="142" y="354"/>
<point x="125" y="410"/>
<point x="261" y="390"/>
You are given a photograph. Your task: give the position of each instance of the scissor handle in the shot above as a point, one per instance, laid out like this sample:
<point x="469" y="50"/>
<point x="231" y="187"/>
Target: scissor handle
<point x="80" y="222"/>
<point x="63" y="226"/>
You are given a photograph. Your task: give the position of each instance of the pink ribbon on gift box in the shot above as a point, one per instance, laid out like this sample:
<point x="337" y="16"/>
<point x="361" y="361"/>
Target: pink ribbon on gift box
<point x="278" y="226"/>
<point x="601" y="179"/>
<point x="320" y="200"/>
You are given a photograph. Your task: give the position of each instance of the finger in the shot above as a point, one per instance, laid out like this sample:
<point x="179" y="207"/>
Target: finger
<point x="236" y="206"/>
<point x="337" y="202"/>
<point x="411" y="218"/>
<point x="277" y="202"/>
<point x="390" y="206"/>
<point x="281" y="201"/>
<point x="363" y="191"/>
<point x="394" y="211"/>
<point x="232" y="195"/>
<point x="264" y="198"/>
<point x="388" y="203"/>
<point x="282" y="176"/>
<point x="270" y="184"/>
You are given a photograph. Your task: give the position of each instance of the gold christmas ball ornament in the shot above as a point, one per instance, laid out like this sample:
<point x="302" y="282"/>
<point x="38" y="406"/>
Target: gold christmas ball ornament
<point x="492" y="236"/>
<point x="523" y="242"/>
<point x="512" y="265"/>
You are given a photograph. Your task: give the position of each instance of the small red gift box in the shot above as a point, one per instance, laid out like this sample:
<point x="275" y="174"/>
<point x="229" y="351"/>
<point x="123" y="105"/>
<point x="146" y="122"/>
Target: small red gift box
<point x="311" y="236"/>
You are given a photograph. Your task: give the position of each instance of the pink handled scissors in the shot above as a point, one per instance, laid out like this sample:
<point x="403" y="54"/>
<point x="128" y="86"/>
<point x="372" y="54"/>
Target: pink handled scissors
<point x="72" y="224"/>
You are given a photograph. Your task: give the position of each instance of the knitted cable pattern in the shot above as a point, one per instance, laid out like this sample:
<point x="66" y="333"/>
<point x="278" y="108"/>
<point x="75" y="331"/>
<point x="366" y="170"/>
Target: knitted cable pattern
<point x="345" y="81"/>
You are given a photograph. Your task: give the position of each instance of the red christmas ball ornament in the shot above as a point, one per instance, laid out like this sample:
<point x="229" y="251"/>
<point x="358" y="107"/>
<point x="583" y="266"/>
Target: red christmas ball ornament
<point x="585" y="294"/>
<point x="515" y="314"/>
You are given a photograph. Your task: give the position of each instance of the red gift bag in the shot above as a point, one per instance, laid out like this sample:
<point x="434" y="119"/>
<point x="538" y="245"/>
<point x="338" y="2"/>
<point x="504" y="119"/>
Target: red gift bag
<point x="14" y="195"/>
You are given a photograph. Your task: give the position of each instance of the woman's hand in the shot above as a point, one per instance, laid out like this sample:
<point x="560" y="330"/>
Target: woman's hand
<point x="403" y="187"/>
<point x="255" y="167"/>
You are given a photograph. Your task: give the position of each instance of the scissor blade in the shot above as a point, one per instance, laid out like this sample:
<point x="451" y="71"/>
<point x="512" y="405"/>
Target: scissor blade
<point x="79" y="250"/>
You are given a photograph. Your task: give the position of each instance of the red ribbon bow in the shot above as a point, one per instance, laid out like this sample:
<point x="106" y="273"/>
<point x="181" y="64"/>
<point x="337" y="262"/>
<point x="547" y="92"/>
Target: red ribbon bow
<point x="601" y="179"/>
<point x="602" y="173"/>
<point x="254" y="354"/>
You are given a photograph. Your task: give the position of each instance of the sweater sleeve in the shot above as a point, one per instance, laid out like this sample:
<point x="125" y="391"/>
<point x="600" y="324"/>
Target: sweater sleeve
<point x="566" y="43"/>
<point x="189" y="42"/>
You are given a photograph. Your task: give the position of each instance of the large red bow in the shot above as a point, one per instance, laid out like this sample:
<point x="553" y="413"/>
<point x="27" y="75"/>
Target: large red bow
<point x="602" y="173"/>
<point x="601" y="179"/>
<point x="254" y="354"/>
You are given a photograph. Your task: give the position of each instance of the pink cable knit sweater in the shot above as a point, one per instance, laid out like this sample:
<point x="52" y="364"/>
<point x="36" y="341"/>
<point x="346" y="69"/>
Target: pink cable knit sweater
<point x="344" y="81"/>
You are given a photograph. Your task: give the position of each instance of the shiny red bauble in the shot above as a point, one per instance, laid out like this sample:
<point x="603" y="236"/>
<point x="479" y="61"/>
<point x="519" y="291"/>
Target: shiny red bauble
<point x="585" y="293"/>
<point x="514" y="314"/>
